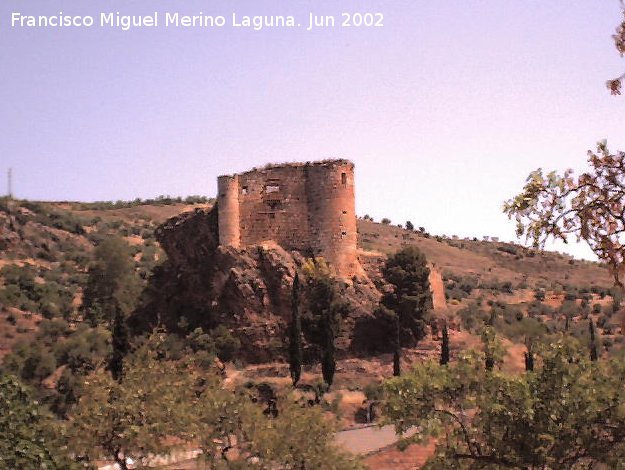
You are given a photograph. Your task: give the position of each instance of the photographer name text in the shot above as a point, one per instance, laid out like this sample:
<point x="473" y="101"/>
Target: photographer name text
<point x="116" y="20"/>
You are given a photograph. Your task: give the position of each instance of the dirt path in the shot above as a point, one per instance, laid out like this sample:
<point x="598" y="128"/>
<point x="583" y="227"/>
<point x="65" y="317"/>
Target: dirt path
<point x="437" y="287"/>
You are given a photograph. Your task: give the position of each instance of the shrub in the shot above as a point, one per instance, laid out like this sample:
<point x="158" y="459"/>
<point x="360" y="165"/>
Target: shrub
<point x="226" y="345"/>
<point x="472" y="317"/>
<point x="510" y="249"/>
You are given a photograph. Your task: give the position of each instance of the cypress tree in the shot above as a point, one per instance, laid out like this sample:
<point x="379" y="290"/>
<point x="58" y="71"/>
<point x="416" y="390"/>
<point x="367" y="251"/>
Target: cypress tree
<point x="397" y="349"/>
<point x="529" y="359"/>
<point x="295" y="334"/>
<point x="328" y="362"/>
<point x="488" y="338"/>
<point x="593" y="343"/>
<point x="445" y="346"/>
<point x="120" y="343"/>
<point x="326" y="308"/>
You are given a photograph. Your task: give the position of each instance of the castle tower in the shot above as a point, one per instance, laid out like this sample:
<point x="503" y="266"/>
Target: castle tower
<point x="308" y="207"/>
<point x="332" y="212"/>
<point x="228" y="211"/>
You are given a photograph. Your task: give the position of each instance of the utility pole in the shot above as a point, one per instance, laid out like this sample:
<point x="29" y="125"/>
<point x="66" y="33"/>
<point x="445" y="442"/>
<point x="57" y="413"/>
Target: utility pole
<point x="10" y="183"/>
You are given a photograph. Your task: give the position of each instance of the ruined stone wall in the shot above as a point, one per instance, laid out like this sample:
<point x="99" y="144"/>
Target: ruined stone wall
<point x="307" y="207"/>
<point x="274" y="206"/>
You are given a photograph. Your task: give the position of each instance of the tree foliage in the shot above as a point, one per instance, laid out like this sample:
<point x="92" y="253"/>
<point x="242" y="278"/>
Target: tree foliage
<point x="161" y="401"/>
<point x="568" y="413"/>
<point x="112" y="282"/>
<point x="410" y="300"/>
<point x="26" y="431"/>
<point x="238" y="435"/>
<point x="590" y="207"/>
<point x="132" y="419"/>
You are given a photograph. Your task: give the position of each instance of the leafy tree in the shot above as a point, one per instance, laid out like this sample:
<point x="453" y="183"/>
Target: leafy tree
<point x="236" y="434"/>
<point x="386" y="221"/>
<point x="409" y="226"/>
<point x="112" y="282"/>
<point x="116" y="420"/>
<point x="590" y="208"/>
<point x="226" y="345"/>
<point x="566" y="414"/>
<point x="295" y="334"/>
<point x="411" y="299"/>
<point x="31" y="362"/>
<point x="161" y="399"/>
<point x="26" y="431"/>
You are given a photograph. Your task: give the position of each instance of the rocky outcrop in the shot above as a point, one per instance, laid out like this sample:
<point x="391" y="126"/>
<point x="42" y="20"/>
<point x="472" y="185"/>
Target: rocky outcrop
<point x="189" y="237"/>
<point x="248" y="290"/>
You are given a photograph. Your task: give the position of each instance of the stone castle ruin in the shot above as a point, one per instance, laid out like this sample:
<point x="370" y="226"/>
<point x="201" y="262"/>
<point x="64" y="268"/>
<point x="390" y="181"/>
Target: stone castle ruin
<point x="234" y="263"/>
<point x="307" y="207"/>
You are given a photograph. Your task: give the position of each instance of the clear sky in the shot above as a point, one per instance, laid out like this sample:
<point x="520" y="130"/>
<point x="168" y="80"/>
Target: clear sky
<point x="444" y="110"/>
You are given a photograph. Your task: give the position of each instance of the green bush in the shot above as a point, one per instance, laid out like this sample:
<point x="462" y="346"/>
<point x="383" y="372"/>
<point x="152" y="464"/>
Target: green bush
<point x="226" y="345"/>
<point x="472" y="317"/>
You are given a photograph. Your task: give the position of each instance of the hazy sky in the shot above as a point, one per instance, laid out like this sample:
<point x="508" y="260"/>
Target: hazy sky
<point x="444" y="110"/>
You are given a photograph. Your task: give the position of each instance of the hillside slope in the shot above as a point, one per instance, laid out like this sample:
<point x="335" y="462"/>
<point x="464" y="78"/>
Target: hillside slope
<point x="45" y="248"/>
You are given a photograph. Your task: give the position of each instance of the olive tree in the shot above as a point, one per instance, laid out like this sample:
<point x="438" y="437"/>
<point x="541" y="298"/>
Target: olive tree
<point x="28" y="437"/>
<point x="589" y="208"/>
<point x="132" y="418"/>
<point x="568" y="413"/>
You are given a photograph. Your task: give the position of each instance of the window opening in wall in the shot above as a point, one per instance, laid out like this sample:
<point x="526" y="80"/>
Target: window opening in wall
<point x="343" y="234"/>
<point x="344" y="178"/>
<point x="272" y="188"/>
<point x="244" y="190"/>
<point x="272" y="215"/>
<point x="344" y="212"/>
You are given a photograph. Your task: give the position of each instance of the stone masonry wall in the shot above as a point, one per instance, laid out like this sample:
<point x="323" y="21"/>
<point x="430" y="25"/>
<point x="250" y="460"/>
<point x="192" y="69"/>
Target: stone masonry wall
<point x="308" y="207"/>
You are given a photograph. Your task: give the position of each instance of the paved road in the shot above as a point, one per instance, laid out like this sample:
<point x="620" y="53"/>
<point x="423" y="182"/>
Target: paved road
<point x="361" y="441"/>
<point x="367" y="439"/>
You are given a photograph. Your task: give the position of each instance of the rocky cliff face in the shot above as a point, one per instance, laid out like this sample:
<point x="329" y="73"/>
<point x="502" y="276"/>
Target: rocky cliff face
<point x="248" y="290"/>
